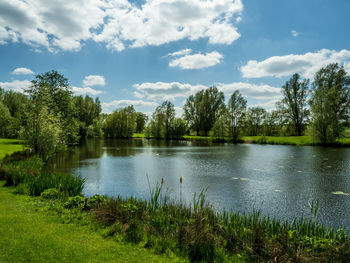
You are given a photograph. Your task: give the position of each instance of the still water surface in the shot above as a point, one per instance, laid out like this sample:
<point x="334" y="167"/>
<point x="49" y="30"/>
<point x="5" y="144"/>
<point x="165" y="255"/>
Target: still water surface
<point x="279" y="180"/>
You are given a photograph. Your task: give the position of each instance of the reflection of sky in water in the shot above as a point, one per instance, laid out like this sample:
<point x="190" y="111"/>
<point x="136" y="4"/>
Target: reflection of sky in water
<point x="279" y="180"/>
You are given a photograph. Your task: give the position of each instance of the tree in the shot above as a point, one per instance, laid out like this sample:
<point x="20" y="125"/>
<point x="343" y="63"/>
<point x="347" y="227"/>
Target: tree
<point x="121" y="123"/>
<point x="220" y="127"/>
<point x="192" y="111"/>
<point x="141" y="120"/>
<point x="162" y="120"/>
<point x="179" y="128"/>
<point x="330" y="103"/>
<point x="237" y="107"/>
<point x="88" y="110"/>
<point x="294" y="103"/>
<point x="203" y="109"/>
<point x="271" y="123"/>
<point x="58" y="99"/>
<point x="254" y="120"/>
<point x="5" y="120"/>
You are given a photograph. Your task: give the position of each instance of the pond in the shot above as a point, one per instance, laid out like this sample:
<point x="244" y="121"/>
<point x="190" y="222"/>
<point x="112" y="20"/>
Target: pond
<point x="278" y="180"/>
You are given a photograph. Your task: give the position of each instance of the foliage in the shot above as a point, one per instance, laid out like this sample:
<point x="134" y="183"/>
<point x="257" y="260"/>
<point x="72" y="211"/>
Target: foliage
<point x="43" y="131"/>
<point x="220" y="127"/>
<point x="88" y="115"/>
<point x="51" y="193"/>
<point x="203" y="109"/>
<point x="5" y="120"/>
<point x="75" y="202"/>
<point x="294" y="103"/>
<point x="237" y="106"/>
<point x="121" y="123"/>
<point x="330" y="103"/>
<point x="254" y="120"/>
<point x="141" y="120"/>
<point x="164" y="125"/>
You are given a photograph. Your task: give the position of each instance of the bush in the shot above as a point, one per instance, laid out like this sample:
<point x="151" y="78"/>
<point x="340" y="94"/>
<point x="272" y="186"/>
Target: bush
<point x="95" y="200"/>
<point x="51" y="193"/>
<point x="75" y="202"/>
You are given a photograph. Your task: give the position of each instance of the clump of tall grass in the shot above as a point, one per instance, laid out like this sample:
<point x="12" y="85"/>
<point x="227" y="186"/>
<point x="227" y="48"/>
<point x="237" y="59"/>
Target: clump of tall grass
<point x="29" y="171"/>
<point x="204" y="235"/>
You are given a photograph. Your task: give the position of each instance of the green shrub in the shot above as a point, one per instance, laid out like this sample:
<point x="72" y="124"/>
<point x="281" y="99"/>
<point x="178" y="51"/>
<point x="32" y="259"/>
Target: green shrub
<point x="51" y="193"/>
<point x="75" y="202"/>
<point x="95" y="200"/>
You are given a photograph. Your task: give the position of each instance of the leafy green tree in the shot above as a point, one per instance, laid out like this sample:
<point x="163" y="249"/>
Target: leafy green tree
<point x="141" y="120"/>
<point x="121" y="123"/>
<point x="330" y="103"/>
<point x="58" y="99"/>
<point x="88" y="110"/>
<point x="5" y="120"/>
<point x="42" y="131"/>
<point x="179" y="128"/>
<point x="271" y="123"/>
<point x="294" y="103"/>
<point x="254" y="120"/>
<point x="221" y="126"/>
<point x="203" y="109"/>
<point x="237" y="107"/>
<point x="16" y="103"/>
<point x="192" y="111"/>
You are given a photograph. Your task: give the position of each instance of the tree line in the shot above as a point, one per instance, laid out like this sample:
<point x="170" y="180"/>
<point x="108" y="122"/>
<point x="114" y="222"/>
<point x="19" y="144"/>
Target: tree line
<point x="48" y="116"/>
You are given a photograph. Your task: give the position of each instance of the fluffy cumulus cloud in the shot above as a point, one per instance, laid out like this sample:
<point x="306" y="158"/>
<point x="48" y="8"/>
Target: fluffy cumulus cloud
<point x="306" y="64"/>
<point x="94" y="80"/>
<point x="16" y="85"/>
<point x="165" y="90"/>
<point x="196" y="61"/>
<point x="108" y="107"/>
<point x="117" y="23"/>
<point x="22" y="71"/>
<point x="86" y="91"/>
<point x="161" y="91"/>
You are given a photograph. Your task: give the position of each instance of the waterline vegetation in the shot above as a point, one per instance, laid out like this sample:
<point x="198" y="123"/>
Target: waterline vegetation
<point x="193" y="231"/>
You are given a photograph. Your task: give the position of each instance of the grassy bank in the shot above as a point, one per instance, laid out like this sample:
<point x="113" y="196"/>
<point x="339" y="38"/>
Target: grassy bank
<point x="278" y="140"/>
<point x="192" y="232"/>
<point x="30" y="233"/>
<point x="8" y="146"/>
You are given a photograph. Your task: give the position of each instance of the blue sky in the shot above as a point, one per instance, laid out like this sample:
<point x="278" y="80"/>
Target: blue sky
<point x="143" y="52"/>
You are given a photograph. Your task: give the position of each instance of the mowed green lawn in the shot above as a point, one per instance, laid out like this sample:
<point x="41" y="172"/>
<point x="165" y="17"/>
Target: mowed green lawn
<point x="27" y="235"/>
<point x="8" y="146"/>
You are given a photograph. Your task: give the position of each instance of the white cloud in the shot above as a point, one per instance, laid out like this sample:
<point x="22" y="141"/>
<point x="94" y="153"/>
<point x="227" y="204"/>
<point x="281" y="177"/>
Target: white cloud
<point x="197" y="61"/>
<point x="252" y="91"/>
<point x="85" y="91"/>
<point x="180" y="52"/>
<point x="294" y="33"/>
<point x="166" y="90"/>
<point x="22" y="71"/>
<point x="307" y="64"/>
<point x="161" y="91"/>
<point x="117" y="23"/>
<point x="16" y="85"/>
<point x="94" y="80"/>
<point x="108" y="107"/>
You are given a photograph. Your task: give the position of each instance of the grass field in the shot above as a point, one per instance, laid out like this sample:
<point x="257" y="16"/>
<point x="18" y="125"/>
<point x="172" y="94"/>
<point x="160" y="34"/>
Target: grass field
<point x="28" y="235"/>
<point x="8" y="146"/>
